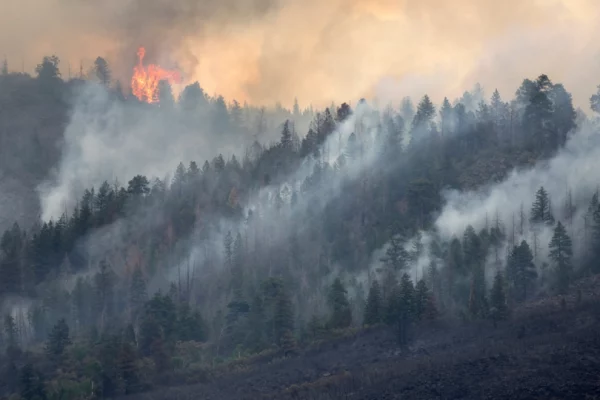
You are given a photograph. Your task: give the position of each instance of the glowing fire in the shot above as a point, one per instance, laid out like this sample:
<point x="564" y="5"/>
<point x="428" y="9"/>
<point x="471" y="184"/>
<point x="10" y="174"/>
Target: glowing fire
<point x="145" y="79"/>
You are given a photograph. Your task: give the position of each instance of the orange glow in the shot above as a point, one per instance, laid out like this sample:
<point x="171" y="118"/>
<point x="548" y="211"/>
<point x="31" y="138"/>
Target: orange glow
<point x="145" y="79"/>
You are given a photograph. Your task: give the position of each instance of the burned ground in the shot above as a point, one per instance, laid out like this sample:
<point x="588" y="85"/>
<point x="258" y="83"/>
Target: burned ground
<point x="546" y="350"/>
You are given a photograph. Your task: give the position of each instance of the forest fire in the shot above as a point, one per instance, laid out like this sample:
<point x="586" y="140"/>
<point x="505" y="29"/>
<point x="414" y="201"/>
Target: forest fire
<point x="145" y="79"/>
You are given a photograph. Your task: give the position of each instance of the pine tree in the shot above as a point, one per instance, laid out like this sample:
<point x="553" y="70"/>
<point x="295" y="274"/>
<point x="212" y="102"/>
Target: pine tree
<point x="392" y="306"/>
<point x="237" y="278"/>
<point x="541" y="212"/>
<point x="58" y="340"/>
<point x="561" y="251"/>
<point x="424" y="116"/>
<point x="446" y="117"/>
<point x="374" y="307"/>
<point x="521" y="271"/>
<point x="286" y="136"/>
<point x="341" y="316"/>
<point x="102" y="71"/>
<point x="499" y="308"/>
<point x="256" y="339"/>
<point x="396" y="257"/>
<point x="422" y="299"/>
<point x="407" y="297"/>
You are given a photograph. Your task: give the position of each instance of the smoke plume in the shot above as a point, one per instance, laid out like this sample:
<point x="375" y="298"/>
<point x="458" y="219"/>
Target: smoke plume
<point x="268" y="50"/>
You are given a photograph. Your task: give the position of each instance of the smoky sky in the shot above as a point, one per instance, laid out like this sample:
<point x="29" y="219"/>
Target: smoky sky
<point x="264" y="51"/>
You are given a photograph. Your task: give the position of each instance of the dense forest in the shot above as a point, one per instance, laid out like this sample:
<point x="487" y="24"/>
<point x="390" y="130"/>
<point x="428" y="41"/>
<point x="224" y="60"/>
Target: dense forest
<point x="339" y="220"/>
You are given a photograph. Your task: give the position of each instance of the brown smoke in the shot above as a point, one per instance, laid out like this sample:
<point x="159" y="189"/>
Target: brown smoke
<point x="268" y="50"/>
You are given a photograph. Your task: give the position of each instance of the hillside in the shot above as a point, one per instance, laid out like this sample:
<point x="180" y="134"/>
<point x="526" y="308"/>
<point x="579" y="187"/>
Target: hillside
<point x="544" y="351"/>
<point x="175" y="248"/>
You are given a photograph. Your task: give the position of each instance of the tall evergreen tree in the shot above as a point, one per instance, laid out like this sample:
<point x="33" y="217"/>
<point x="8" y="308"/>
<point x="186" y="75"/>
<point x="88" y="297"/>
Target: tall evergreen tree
<point x="561" y="251"/>
<point x="102" y="71"/>
<point x="341" y="315"/>
<point x="374" y="307"/>
<point x="396" y="256"/>
<point x="58" y="340"/>
<point x="541" y="211"/>
<point x="521" y="271"/>
<point x="286" y="136"/>
<point x="423" y="119"/>
<point x="423" y="300"/>
<point x="498" y="305"/>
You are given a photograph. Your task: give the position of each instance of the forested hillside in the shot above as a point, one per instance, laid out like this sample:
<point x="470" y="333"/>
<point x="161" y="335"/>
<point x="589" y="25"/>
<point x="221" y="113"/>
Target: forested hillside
<point x="352" y="216"/>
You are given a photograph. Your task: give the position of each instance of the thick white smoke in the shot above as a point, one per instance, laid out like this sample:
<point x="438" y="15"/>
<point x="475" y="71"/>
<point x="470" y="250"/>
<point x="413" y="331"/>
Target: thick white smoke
<point x="114" y="140"/>
<point x="570" y="178"/>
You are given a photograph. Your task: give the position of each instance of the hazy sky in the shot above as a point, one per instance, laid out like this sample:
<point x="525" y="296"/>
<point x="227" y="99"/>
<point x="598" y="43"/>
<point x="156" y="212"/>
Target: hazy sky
<point x="269" y="50"/>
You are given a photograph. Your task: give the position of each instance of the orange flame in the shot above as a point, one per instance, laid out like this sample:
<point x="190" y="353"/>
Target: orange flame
<point x="145" y="79"/>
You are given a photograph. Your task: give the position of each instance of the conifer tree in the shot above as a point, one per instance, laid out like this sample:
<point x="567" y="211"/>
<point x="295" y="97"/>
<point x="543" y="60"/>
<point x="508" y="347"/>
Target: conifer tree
<point x="561" y="251"/>
<point x="446" y="117"/>
<point x="102" y="71"/>
<point x="341" y="316"/>
<point x="374" y="306"/>
<point x="237" y="279"/>
<point x="541" y="211"/>
<point x="58" y="340"/>
<point x="286" y="136"/>
<point x="422" y="299"/>
<point x="521" y="271"/>
<point x="499" y="308"/>
<point x="478" y="305"/>
<point x="396" y="257"/>
<point x="424" y="116"/>
<point x="392" y="306"/>
<point x="407" y="297"/>
<point x="256" y="339"/>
